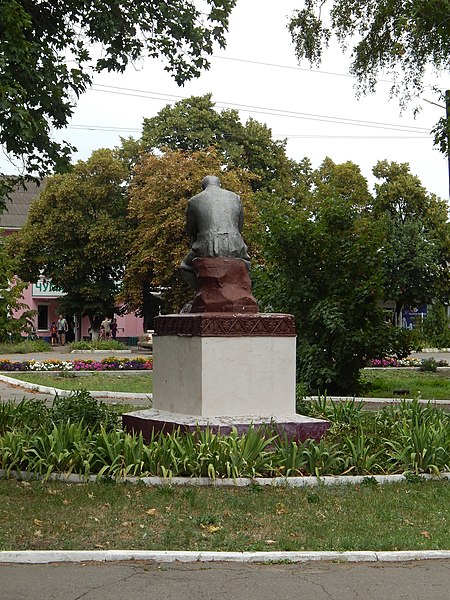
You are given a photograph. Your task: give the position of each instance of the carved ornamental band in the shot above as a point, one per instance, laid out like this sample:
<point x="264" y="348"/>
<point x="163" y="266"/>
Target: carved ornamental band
<point x="226" y="325"/>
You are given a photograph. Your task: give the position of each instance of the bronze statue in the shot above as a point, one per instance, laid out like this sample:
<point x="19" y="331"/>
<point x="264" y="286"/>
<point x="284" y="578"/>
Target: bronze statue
<point x="214" y="221"/>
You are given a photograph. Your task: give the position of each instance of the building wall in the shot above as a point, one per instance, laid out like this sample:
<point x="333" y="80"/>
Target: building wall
<point x="46" y="303"/>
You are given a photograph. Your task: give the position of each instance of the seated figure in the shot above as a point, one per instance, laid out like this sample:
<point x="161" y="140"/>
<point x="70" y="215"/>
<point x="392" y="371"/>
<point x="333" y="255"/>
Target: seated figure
<point x="214" y="220"/>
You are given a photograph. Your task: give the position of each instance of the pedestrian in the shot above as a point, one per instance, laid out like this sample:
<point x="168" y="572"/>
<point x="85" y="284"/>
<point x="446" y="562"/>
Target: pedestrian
<point x="114" y="328"/>
<point x="62" y="330"/>
<point x="106" y="326"/>
<point x="54" y="333"/>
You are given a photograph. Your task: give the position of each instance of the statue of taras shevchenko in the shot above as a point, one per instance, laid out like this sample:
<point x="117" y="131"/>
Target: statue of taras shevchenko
<point x="214" y="221"/>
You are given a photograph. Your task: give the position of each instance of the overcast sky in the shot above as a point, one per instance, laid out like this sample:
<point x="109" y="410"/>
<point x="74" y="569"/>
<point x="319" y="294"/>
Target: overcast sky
<point x="317" y="110"/>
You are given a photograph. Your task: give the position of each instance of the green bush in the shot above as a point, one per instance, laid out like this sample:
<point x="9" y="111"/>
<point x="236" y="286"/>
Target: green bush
<point x="81" y="406"/>
<point x="436" y="327"/>
<point x="98" y="345"/>
<point x="404" y="341"/>
<point x="429" y="365"/>
<point x="25" y="347"/>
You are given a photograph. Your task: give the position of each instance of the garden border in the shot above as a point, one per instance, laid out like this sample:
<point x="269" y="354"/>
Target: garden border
<point x="168" y="556"/>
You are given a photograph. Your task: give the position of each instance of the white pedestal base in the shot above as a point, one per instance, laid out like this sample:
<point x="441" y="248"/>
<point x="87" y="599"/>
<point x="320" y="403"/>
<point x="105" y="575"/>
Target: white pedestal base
<point x="218" y="376"/>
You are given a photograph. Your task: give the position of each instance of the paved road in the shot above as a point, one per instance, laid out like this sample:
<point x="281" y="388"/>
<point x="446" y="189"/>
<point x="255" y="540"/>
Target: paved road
<point x="427" y="580"/>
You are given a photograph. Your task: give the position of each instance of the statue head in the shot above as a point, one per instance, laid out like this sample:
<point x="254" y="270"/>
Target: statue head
<point x="210" y="180"/>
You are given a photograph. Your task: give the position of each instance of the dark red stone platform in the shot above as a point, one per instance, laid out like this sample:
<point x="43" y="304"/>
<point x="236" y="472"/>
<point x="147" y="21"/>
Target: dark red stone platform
<point x="296" y="427"/>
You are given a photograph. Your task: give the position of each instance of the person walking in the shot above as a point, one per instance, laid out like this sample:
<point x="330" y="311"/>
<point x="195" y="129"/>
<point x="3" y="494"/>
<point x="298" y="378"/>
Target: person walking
<point x="106" y="326"/>
<point x="54" y="333"/>
<point x="62" y="330"/>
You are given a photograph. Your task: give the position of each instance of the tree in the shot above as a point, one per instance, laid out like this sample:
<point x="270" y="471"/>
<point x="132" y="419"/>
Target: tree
<point x="48" y="56"/>
<point x="11" y="289"/>
<point x="194" y="124"/>
<point x="416" y="248"/>
<point x="393" y="36"/>
<point x="322" y="266"/>
<point x="77" y="235"/>
<point x="159" y="192"/>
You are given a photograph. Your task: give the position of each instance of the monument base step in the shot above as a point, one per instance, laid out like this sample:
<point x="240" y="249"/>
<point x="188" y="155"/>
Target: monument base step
<point x="296" y="427"/>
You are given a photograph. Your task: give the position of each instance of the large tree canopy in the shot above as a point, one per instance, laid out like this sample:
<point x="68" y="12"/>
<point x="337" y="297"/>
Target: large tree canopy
<point x="322" y="266"/>
<point x="416" y="246"/>
<point x="77" y="235"/>
<point x="195" y="124"/>
<point x="49" y="51"/>
<point x="389" y="36"/>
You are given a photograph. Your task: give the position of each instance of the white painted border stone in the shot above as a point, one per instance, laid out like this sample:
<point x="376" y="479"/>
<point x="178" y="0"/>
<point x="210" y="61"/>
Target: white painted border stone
<point x="291" y="482"/>
<point x="163" y="556"/>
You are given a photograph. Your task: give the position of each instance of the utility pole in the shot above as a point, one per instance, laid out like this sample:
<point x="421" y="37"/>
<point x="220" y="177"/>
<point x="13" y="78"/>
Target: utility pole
<point x="447" y="114"/>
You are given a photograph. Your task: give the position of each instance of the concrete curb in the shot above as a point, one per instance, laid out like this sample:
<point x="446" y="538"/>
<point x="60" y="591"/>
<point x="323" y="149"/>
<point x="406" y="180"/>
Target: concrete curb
<point x="165" y="556"/>
<point x="288" y="482"/>
<point x="34" y="387"/>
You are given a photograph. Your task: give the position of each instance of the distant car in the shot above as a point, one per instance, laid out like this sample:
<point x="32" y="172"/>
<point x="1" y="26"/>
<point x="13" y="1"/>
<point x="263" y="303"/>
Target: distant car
<point x="146" y="340"/>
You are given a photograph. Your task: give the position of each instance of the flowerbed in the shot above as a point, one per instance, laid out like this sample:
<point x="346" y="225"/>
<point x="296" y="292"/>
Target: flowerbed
<point x="105" y="364"/>
<point x="406" y="362"/>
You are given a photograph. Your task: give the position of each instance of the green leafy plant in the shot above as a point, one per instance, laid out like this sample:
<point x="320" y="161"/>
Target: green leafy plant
<point x="81" y="406"/>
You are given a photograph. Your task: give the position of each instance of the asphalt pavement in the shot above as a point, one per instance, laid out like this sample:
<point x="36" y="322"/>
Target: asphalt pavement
<point x="199" y="581"/>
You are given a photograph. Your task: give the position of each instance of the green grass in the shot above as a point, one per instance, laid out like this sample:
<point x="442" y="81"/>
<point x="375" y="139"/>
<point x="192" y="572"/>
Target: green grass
<point x="408" y="516"/>
<point x="141" y="382"/>
<point x="430" y="386"/>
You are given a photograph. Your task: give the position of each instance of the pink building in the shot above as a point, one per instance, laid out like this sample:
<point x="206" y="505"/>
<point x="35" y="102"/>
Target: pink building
<point x="41" y="295"/>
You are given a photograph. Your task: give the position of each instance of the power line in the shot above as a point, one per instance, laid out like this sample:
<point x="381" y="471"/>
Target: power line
<point x="304" y="69"/>
<point x="113" y="129"/>
<point x="263" y="110"/>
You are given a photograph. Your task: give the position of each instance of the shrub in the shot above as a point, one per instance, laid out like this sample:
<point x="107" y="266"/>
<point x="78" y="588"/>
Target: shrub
<point x="429" y="365"/>
<point x="98" y="345"/>
<point x="25" y="347"/>
<point x="81" y="406"/>
<point x="404" y="341"/>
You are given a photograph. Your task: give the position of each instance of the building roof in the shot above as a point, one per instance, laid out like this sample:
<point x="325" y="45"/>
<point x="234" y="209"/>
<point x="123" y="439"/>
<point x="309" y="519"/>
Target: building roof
<point x="18" y="206"/>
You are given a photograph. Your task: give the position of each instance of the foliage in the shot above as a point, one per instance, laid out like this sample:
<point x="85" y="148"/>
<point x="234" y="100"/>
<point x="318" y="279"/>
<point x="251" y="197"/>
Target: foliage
<point x="416" y="249"/>
<point x="194" y="124"/>
<point x="81" y="406"/>
<point x="76" y="235"/>
<point x="98" y="345"/>
<point x="436" y="326"/>
<point x="429" y="365"/>
<point x="404" y="341"/>
<point x="398" y="38"/>
<point x="160" y="190"/>
<point x="80" y="435"/>
<point x="11" y="289"/>
<point x="324" y="267"/>
<point x="51" y="51"/>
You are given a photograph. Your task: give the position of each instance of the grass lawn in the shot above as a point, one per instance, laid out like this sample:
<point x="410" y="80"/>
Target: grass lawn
<point x="408" y="516"/>
<point x="140" y="382"/>
<point x="382" y="383"/>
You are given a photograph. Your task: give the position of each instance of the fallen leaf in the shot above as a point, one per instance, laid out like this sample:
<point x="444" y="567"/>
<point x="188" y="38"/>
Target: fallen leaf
<point x="270" y="542"/>
<point x="38" y="522"/>
<point x="425" y="534"/>
<point x="38" y="533"/>
<point x="65" y="501"/>
<point x="213" y="528"/>
<point x="151" y="511"/>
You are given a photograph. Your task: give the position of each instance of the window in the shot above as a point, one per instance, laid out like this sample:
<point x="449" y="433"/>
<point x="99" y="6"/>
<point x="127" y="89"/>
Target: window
<point x="42" y="317"/>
